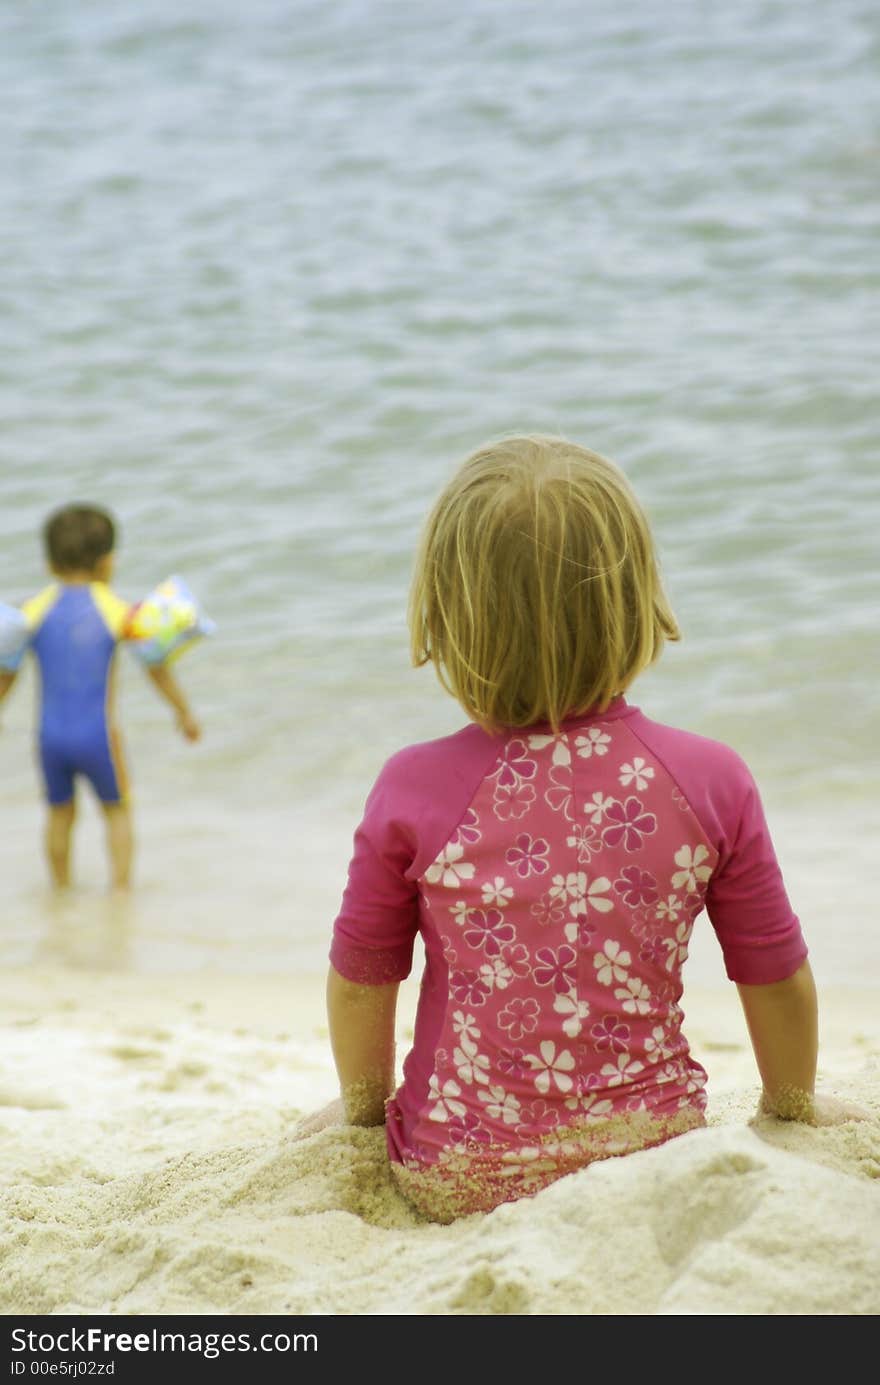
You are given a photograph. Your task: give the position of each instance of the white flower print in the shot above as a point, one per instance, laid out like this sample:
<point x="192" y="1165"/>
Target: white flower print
<point x="625" y="1069"/>
<point x="497" y="973"/>
<point x="587" y="1104"/>
<point x="674" y="1018"/>
<point x="595" y="742"/>
<point x="670" y="1072"/>
<point x="576" y="1011"/>
<point x="611" y="964"/>
<point x="634" y="1103"/>
<point x="500" y="1105"/>
<point x="574" y="887"/>
<point x="657" y="1045"/>
<point x="635" y="996"/>
<point x="561" y="749"/>
<point x="465" y="1026"/>
<point x="470" y="1067"/>
<point x="669" y="908"/>
<point x="564" y="885"/>
<point x="559" y="1147"/>
<point x="678" y="946"/>
<point x="598" y="806"/>
<point x="694" y="1082"/>
<point x="444" y="1097"/>
<point x="449" y="868"/>
<point x="496" y="892"/>
<point x="522" y="1156"/>
<point x="593" y="897"/>
<point x="548" y="1064"/>
<point x="585" y="839"/>
<point x="675" y="1015"/>
<point x="692" y="869"/>
<point x="459" y="911"/>
<point x="638" y="773"/>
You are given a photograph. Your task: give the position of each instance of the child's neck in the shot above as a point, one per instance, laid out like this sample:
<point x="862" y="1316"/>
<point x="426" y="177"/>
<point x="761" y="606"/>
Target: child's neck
<point x="77" y="579"/>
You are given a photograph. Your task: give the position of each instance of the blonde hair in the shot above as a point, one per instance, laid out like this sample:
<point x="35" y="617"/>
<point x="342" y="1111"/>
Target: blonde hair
<point x="536" y="591"/>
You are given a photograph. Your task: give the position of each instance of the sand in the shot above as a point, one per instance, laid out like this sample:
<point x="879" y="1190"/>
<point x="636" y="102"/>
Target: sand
<point x="148" y="1167"/>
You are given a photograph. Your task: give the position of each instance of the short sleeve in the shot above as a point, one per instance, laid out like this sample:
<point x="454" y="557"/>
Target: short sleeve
<point x="375" y="930"/>
<point x="18" y="626"/>
<point x="114" y="611"/>
<point x="746" y="898"/>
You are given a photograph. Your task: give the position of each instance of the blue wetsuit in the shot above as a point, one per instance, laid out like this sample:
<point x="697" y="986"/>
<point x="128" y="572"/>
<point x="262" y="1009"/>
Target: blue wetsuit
<point x="74" y="633"/>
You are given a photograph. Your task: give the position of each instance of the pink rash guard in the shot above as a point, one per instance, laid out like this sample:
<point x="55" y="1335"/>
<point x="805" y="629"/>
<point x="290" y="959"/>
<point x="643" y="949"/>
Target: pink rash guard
<point x="554" y="880"/>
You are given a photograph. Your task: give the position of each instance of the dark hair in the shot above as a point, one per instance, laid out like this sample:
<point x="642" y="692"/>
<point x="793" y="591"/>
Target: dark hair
<point x="77" y="537"/>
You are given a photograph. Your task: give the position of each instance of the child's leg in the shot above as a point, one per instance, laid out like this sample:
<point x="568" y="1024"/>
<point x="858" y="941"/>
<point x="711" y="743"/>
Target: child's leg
<point x="104" y="766"/>
<point x="120" y="843"/>
<point x="59" y="827"/>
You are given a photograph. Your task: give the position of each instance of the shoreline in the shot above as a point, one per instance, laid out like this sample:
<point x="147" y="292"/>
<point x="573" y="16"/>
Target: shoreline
<point x="849" y="1016"/>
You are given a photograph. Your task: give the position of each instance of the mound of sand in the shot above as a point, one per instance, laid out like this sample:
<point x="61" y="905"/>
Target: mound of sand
<point x="148" y="1167"/>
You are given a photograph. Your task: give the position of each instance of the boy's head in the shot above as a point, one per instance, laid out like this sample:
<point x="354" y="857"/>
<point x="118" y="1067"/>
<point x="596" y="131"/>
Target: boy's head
<point x="536" y="591"/>
<point x="79" y="541"/>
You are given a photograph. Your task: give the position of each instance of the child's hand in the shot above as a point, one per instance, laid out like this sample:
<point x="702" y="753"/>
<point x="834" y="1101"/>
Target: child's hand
<point x="188" y="726"/>
<point x="331" y="1114"/>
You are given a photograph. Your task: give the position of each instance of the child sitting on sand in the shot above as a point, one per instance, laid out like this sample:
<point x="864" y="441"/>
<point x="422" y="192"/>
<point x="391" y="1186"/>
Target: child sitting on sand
<point x="76" y="624"/>
<point x="554" y="855"/>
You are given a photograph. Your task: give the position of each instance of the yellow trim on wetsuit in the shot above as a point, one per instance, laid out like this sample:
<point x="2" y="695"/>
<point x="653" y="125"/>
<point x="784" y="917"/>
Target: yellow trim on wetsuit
<point x="113" y="610"/>
<point x="36" y="608"/>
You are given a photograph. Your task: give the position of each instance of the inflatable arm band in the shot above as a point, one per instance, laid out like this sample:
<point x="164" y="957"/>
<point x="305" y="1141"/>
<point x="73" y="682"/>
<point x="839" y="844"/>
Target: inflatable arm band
<point x="167" y="622"/>
<point x="14" y="635"/>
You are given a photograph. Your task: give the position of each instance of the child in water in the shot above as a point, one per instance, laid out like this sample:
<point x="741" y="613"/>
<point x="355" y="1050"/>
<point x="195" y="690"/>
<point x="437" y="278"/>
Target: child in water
<point x="76" y="624"/>
<point x="554" y="855"/>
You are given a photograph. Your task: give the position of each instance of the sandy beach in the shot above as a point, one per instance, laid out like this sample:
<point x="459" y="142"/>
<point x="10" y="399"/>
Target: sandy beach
<point x="148" y="1167"/>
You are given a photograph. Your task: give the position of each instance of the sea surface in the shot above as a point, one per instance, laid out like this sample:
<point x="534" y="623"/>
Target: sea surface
<point x="270" y="271"/>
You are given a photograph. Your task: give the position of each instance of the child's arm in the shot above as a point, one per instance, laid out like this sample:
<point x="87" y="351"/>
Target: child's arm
<point x="362" y="1023"/>
<point x="782" y="1019"/>
<point x="783" y="1023"/>
<point x="169" y="688"/>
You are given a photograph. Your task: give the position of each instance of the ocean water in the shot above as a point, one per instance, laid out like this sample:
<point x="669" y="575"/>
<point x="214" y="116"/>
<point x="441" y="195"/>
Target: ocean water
<point x="272" y="270"/>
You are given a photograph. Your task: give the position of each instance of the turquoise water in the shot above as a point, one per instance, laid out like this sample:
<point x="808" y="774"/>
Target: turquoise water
<point x="272" y="270"/>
